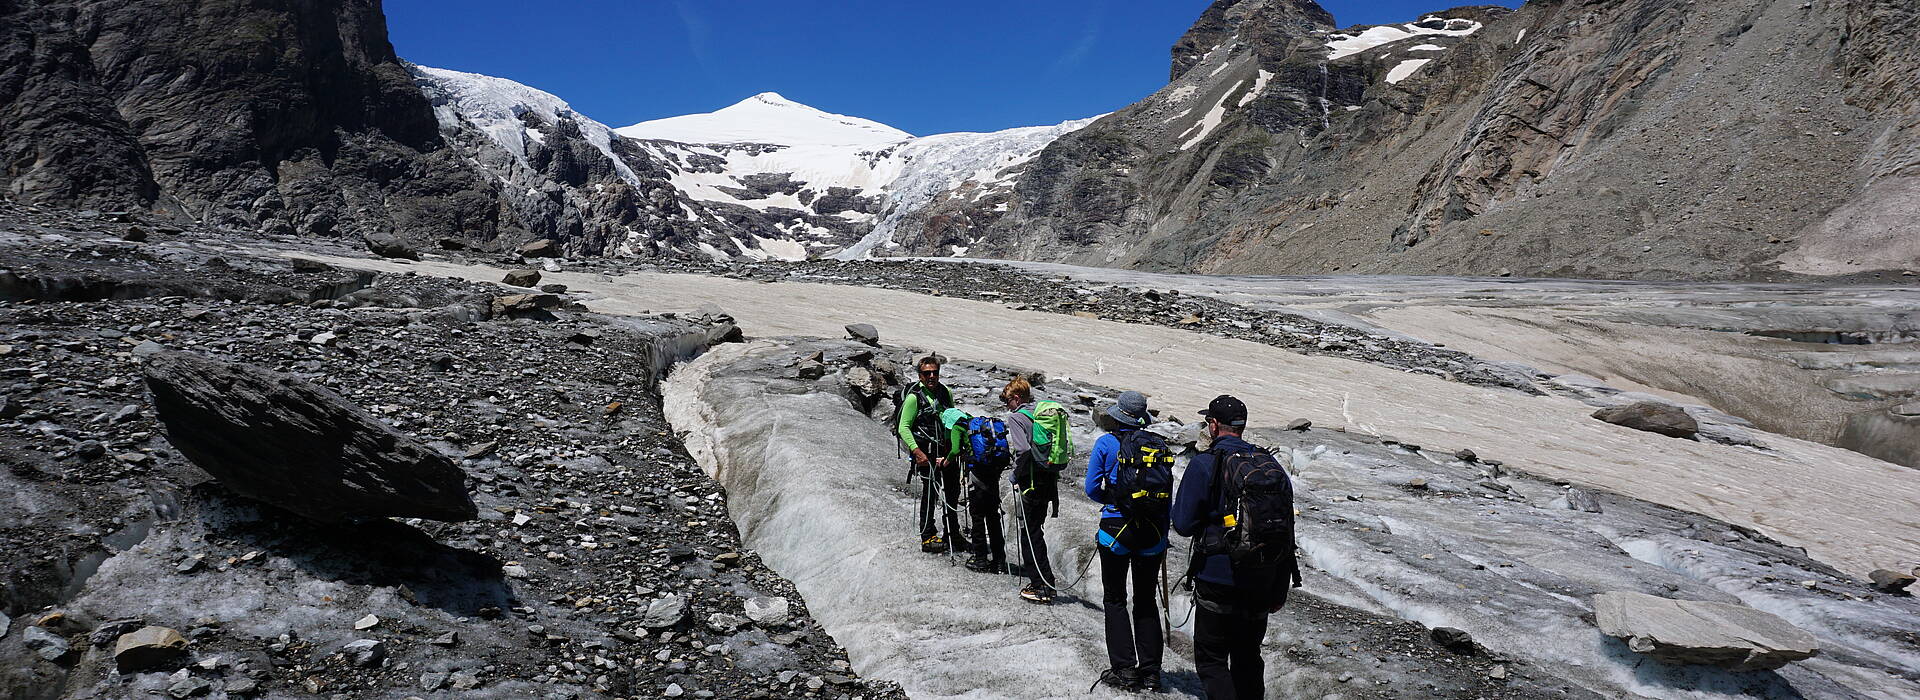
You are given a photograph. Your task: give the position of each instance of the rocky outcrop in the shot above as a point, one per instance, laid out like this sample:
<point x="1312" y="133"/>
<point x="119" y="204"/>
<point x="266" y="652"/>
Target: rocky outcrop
<point x="299" y="446"/>
<point x="304" y="123"/>
<point x="1613" y="139"/>
<point x="1700" y="632"/>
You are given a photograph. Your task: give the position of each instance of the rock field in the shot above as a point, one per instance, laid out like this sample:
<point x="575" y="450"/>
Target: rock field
<point x="601" y="562"/>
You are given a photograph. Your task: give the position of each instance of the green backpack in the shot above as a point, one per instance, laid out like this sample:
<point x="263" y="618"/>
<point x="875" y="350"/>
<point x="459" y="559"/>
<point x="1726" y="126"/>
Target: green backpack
<point x="1050" y="429"/>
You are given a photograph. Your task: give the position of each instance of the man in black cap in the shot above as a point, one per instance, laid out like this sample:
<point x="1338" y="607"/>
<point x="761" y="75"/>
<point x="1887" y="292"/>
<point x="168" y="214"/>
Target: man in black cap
<point x="1232" y="602"/>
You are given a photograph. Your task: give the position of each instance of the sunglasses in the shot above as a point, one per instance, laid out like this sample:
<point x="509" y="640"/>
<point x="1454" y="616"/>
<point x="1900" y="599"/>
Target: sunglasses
<point x="929" y="373"/>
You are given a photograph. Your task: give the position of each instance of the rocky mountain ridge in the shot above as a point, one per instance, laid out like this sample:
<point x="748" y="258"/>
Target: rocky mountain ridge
<point x="1611" y="139"/>
<point x="1627" y="138"/>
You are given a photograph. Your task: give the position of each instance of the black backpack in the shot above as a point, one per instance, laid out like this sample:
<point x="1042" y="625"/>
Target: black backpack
<point x="1258" y="497"/>
<point x="926" y="423"/>
<point x="1142" y="487"/>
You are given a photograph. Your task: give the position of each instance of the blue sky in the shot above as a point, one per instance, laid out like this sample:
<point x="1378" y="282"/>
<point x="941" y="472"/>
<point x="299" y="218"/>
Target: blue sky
<point x="925" y="67"/>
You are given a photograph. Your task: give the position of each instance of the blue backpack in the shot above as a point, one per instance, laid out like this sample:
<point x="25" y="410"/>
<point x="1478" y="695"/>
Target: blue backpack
<point x="987" y="445"/>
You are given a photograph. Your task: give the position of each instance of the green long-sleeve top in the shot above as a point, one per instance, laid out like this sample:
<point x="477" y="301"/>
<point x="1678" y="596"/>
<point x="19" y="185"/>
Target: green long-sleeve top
<point x="910" y="409"/>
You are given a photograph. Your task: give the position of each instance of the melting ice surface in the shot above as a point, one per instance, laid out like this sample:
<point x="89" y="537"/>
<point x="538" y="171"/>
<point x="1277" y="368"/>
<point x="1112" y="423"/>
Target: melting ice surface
<point x="1512" y="565"/>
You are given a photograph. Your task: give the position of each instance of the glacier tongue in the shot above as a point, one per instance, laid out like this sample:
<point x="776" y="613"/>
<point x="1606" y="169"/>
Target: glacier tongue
<point x="815" y="488"/>
<point x="931" y="166"/>
<point x="495" y="105"/>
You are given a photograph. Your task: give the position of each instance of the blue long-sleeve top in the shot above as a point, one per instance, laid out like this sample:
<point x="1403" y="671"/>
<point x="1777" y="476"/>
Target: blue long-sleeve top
<point x="1197" y="509"/>
<point x="1102" y="468"/>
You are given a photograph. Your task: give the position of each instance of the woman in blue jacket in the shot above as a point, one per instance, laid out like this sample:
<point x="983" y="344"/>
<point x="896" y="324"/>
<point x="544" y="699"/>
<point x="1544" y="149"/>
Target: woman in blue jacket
<point x="1134" y="643"/>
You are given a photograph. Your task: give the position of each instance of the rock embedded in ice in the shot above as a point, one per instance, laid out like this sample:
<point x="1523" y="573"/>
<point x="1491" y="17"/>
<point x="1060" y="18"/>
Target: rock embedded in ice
<point x="1300" y="424"/>
<point x="432" y="681"/>
<point x="1731" y="636"/>
<point x="1582" y="500"/>
<point x="521" y="278"/>
<point x="1652" y="417"/>
<point x="1887" y="581"/>
<point x="767" y="611"/>
<point x="297" y="445"/>
<point x="149" y="649"/>
<point x="367" y="623"/>
<point x="1466" y="455"/>
<point x="1454" y="640"/>
<point x="863" y="333"/>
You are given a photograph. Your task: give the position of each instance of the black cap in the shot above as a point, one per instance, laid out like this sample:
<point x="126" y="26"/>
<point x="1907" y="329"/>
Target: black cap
<point x="1228" y="410"/>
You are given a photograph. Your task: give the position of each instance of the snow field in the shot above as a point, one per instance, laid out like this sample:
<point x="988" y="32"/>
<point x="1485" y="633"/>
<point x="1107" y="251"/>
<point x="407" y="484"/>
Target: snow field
<point x="1343" y="45"/>
<point x="1405" y="69"/>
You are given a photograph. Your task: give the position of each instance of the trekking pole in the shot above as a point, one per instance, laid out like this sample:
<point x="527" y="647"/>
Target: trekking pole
<point x="1166" y="606"/>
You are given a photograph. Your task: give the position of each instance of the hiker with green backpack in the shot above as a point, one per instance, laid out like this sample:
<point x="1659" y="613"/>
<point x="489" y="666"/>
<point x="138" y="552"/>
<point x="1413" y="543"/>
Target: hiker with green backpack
<point x="1041" y="446"/>
<point x="1131" y="472"/>
<point x="918" y="427"/>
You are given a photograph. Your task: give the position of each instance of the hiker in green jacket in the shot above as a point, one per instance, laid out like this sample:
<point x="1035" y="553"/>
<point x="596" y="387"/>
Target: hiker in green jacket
<point x="923" y="436"/>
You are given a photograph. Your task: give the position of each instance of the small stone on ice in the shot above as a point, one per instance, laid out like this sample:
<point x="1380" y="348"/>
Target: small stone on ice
<point x="673" y="690"/>
<point x="367" y="623"/>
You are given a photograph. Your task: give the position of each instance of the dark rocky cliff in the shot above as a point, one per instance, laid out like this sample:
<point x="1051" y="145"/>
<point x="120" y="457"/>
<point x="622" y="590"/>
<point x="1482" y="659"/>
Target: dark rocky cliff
<point x="290" y="117"/>
<point x="1620" y="138"/>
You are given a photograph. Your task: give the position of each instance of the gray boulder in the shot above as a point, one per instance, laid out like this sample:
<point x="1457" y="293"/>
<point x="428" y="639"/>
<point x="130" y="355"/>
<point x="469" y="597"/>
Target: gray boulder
<point x="540" y="249"/>
<point x="522" y="278"/>
<point x="1653" y="417"/>
<point x="1730" y="636"/>
<point x="387" y="246"/>
<point x="1889" y="581"/>
<point x="864" y="333"/>
<point x="664" y="612"/>
<point x="149" y="649"/>
<point x="299" y="446"/>
<point x="46" y="643"/>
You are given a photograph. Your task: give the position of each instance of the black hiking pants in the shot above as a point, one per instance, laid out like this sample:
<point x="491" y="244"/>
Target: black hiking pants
<point x="983" y="508"/>
<point x="1228" y="627"/>
<point x="1033" y="539"/>
<point x="1134" y="641"/>
<point x="930" y="502"/>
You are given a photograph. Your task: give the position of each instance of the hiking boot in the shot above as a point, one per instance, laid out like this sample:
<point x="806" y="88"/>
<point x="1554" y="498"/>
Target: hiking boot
<point x="982" y="566"/>
<point x="1149" y="680"/>
<point x="1040" y="595"/>
<point x="1117" y="679"/>
<point x="933" y="545"/>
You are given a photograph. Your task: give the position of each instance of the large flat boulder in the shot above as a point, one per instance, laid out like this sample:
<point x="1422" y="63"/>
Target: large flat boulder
<point x="299" y="446"/>
<point x="1699" y="632"/>
<point x="1653" y="417"/>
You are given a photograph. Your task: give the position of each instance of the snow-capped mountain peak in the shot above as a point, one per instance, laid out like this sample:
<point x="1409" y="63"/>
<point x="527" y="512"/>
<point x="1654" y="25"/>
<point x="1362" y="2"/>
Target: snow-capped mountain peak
<point x="771" y="118"/>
